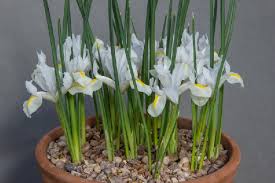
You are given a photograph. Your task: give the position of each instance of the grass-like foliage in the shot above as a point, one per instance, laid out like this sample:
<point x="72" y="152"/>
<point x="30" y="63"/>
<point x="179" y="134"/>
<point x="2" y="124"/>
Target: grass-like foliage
<point x="137" y="85"/>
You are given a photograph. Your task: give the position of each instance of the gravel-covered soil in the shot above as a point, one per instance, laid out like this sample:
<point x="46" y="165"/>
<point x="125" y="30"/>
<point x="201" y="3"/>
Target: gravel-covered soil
<point x="96" y="166"/>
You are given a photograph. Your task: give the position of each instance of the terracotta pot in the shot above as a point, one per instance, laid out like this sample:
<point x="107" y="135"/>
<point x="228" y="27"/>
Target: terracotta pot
<point x="52" y="174"/>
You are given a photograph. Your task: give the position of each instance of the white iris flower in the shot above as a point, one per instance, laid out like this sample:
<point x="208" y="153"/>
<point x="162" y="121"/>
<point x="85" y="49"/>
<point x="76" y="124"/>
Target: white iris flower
<point x="124" y="76"/>
<point x="44" y="77"/>
<point x="203" y="85"/>
<point x="75" y="79"/>
<point x="233" y="78"/>
<point x="138" y="47"/>
<point x="141" y="86"/>
<point x="209" y="75"/>
<point x="121" y="63"/>
<point x="202" y="81"/>
<point x="170" y="84"/>
<point x="228" y="75"/>
<point x="99" y="50"/>
<point x="200" y="93"/>
<point x="185" y="54"/>
<point x="200" y="89"/>
<point x="156" y="108"/>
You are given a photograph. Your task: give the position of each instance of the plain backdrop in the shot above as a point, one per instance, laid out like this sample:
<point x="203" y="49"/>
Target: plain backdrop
<point x="248" y="114"/>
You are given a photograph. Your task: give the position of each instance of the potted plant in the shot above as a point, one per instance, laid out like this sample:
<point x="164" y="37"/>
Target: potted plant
<point x="137" y="134"/>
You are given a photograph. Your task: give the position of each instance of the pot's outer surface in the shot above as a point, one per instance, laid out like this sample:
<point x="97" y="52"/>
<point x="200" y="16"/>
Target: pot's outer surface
<point x="52" y="174"/>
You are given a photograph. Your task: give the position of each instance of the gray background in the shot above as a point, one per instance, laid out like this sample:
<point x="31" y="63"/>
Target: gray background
<point x="248" y="115"/>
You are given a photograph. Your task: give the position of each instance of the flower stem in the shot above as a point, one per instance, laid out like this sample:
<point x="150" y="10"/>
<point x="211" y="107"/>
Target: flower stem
<point x="166" y="139"/>
<point x="219" y="124"/>
<point x="212" y="131"/>
<point x="76" y="147"/>
<point x="172" y="146"/>
<point x="81" y="118"/>
<point x="194" y="134"/>
<point x="106" y="127"/>
<point x="155" y="132"/>
<point x="203" y="152"/>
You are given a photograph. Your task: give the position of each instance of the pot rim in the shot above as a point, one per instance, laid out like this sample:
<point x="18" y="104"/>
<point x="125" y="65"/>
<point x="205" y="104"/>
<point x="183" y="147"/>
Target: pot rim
<point x="46" y="166"/>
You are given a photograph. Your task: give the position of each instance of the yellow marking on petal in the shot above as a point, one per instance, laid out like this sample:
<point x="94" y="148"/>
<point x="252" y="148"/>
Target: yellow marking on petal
<point x="30" y="100"/>
<point x="160" y="53"/>
<point x="77" y="85"/>
<point x="140" y="82"/>
<point x="235" y="75"/>
<point x="93" y="81"/>
<point x="201" y="86"/>
<point x="82" y="74"/>
<point x="156" y="101"/>
<point x="98" y="45"/>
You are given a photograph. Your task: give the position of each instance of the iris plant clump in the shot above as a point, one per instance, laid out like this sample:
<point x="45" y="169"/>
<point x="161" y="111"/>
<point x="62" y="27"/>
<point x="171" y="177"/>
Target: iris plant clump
<point x="137" y="85"/>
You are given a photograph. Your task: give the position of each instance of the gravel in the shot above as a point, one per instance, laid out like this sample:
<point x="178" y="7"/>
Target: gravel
<point x="96" y="166"/>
